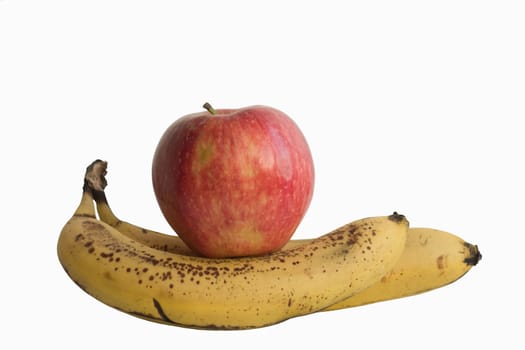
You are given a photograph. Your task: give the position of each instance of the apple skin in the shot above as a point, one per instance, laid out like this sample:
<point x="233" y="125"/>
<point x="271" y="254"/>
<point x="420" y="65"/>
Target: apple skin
<point x="233" y="183"/>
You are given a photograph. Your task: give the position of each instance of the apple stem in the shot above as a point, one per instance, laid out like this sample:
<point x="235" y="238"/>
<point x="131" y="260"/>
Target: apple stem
<point x="209" y="108"/>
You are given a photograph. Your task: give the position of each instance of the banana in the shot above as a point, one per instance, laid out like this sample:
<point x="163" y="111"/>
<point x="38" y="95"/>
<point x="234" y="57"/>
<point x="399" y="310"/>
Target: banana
<point x="432" y="258"/>
<point x="235" y="293"/>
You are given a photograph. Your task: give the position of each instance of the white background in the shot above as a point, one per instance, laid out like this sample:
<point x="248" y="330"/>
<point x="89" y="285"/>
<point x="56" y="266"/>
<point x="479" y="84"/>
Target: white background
<point x="412" y="106"/>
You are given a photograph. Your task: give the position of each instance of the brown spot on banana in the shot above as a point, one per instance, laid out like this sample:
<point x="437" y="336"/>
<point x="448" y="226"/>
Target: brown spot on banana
<point x="442" y="262"/>
<point x="107" y="275"/>
<point x="386" y="278"/>
<point x="92" y="226"/>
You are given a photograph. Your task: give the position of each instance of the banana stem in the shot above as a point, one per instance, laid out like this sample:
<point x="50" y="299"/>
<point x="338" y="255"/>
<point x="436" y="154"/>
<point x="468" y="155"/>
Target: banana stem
<point x="95" y="175"/>
<point x="95" y="182"/>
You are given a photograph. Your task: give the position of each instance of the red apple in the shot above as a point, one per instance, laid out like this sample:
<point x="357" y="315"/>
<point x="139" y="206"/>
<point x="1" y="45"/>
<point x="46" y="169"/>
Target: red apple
<point x="233" y="182"/>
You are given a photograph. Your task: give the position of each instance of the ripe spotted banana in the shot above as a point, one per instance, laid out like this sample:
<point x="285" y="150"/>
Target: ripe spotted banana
<point x="236" y="293"/>
<point x="431" y="259"/>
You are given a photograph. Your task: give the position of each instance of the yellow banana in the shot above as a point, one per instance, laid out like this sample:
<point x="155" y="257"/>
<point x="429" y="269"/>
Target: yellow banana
<point x="431" y="259"/>
<point x="236" y="293"/>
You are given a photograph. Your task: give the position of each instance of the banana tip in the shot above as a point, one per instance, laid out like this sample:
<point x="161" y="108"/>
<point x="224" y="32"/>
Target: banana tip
<point x="396" y="217"/>
<point x="474" y="255"/>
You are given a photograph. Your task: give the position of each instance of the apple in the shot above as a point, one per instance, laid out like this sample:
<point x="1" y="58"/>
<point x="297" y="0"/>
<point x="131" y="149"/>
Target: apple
<point x="233" y="182"/>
